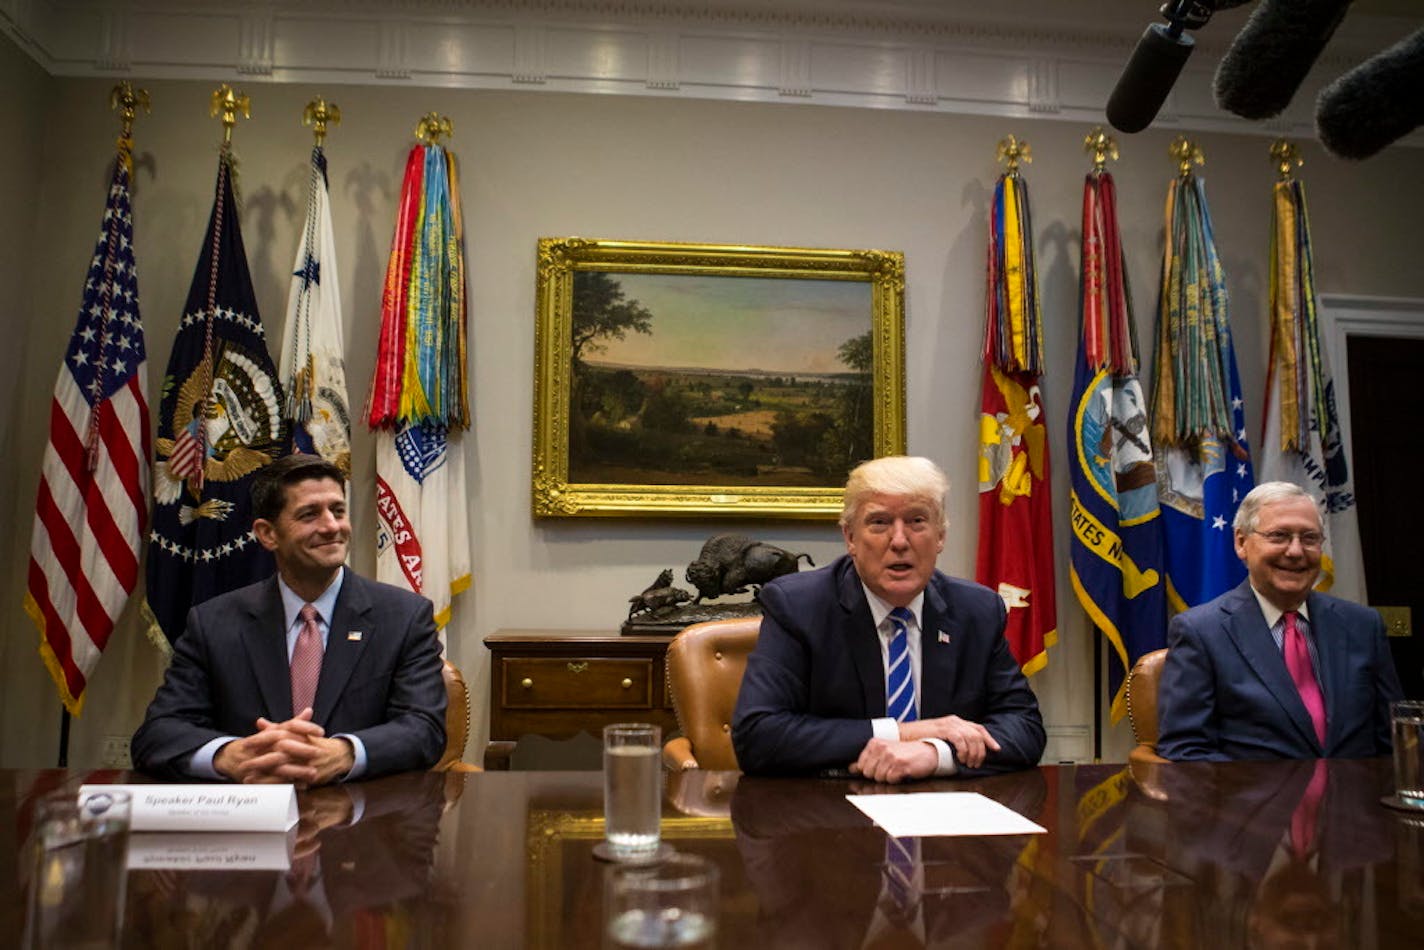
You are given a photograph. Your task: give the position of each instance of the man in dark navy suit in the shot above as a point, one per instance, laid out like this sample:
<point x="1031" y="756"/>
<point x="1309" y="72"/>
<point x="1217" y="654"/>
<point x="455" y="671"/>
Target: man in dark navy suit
<point x="1273" y="669"/>
<point x="880" y="664"/>
<point x="314" y="675"/>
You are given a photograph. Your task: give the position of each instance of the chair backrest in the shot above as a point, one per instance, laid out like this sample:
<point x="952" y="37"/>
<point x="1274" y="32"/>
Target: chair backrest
<point x="457" y="716"/>
<point x="1142" y="697"/>
<point x="705" y="663"/>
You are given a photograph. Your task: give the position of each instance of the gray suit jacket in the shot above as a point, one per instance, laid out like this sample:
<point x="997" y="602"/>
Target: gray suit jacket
<point x="817" y="678"/>
<point x="380" y="678"/>
<point x="1226" y="694"/>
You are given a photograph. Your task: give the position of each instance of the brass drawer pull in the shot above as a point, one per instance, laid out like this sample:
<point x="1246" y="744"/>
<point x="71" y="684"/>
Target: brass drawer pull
<point x="527" y="683"/>
<point x="577" y="667"/>
<point x="627" y="683"/>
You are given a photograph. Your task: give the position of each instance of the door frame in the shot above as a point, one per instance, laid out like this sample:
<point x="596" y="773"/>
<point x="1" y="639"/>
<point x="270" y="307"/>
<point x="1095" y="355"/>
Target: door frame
<point x="1345" y="315"/>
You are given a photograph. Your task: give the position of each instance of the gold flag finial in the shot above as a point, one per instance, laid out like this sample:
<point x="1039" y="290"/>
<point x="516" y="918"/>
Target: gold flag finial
<point x="1187" y="153"/>
<point x="1011" y="151"/>
<point x="1286" y="157"/>
<point x="1101" y="146"/>
<point x="317" y="114"/>
<point x="127" y="101"/>
<point x="228" y="103"/>
<point x="432" y="127"/>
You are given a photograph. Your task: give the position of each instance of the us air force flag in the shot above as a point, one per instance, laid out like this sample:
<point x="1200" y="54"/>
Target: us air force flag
<point x="313" y="365"/>
<point x="1302" y="441"/>
<point x="219" y="421"/>
<point x="1199" y="422"/>
<point x="1116" y="551"/>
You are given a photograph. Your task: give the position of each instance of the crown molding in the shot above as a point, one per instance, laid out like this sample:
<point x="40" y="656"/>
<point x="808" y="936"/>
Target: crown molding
<point x="1013" y="58"/>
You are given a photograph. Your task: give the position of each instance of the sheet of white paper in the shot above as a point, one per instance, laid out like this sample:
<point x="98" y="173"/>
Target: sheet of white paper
<point x="208" y="807"/>
<point x="930" y="814"/>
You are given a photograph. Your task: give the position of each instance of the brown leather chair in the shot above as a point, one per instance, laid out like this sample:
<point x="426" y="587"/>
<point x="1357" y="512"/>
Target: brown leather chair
<point x="1142" y="705"/>
<point x="457" y="721"/>
<point x="705" y="663"/>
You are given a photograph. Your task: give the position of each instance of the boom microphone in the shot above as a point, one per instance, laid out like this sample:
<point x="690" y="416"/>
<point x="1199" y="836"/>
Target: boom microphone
<point x="1154" y="66"/>
<point x="1374" y="103"/>
<point x="1271" y="55"/>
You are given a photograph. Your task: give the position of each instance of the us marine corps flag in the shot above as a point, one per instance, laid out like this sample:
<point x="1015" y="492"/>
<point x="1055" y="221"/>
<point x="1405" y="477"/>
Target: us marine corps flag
<point x="1202" y="457"/>
<point x="419" y="406"/>
<point x="1116" y="548"/>
<point x="1302" y="441"/>
<point x="92" y="503"/>
<point x="219" y="421"/>
<point x="1015" y="554"/>
<point x="313" y="364"/>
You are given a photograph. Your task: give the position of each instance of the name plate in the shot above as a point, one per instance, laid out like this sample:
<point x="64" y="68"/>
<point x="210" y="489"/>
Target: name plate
<point x="208" y="851"/>
<point x="207" y="807"/>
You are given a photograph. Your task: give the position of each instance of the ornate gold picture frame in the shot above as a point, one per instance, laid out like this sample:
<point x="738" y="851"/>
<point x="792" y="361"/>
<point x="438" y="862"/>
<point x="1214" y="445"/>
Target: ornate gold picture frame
<point x="712" y="379"/>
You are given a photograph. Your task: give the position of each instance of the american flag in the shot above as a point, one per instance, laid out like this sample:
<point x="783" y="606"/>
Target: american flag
<point x="92" y="503"/>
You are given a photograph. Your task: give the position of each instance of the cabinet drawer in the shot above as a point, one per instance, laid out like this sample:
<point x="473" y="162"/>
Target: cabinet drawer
<point x="580" y="683"/>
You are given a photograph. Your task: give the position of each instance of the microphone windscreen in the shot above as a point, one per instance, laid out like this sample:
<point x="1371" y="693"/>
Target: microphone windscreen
<point x="1375" y="103"/>
<point x="1270" y="57"/>
<point x="1147" y="78"/>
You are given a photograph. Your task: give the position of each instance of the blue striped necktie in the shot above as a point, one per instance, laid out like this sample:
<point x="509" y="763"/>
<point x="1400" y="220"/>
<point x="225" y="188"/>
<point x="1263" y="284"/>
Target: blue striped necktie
<point x="899" y="678"/>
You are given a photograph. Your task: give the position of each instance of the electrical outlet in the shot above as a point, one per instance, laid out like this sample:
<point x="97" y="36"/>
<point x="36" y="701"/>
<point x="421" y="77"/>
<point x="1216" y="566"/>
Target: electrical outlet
<point x="115" y="753"/>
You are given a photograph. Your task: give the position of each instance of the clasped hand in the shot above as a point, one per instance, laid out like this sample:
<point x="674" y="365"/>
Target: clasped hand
<point x="911" y="758"/>
<point x="295" y="751"/>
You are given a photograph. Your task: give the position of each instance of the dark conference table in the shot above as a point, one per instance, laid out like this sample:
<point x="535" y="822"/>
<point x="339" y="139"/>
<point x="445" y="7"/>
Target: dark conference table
<point x="1184" y="855"/>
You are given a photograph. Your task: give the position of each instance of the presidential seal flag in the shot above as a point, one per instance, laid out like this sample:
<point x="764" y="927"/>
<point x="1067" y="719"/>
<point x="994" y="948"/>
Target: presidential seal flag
<point x="1302" y="442"/>
<point x="92" y="504"/>
<point x="313" y="366"/>
<point x="1116" y="528"/>
<point x="219" y="421"/>
<point x="419" y="406"/>
<point x="1202" y="456"/>
<point x="1015" y="554"/>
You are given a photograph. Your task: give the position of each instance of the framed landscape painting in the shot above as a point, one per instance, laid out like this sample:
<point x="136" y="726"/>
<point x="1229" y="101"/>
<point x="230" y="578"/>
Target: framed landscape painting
<point x="710" y="379"/>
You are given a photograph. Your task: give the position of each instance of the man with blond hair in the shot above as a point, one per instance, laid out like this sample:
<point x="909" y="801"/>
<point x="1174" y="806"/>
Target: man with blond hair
<point x="1274" y="669"/>
<point x="878" y="663"/>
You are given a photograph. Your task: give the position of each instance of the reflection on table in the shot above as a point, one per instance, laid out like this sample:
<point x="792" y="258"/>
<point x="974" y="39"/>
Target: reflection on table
<point x="1199" y="854"/>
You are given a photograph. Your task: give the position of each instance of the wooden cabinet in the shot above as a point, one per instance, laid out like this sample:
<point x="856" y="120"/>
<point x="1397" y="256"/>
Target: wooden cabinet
<point x="560" y="683"/>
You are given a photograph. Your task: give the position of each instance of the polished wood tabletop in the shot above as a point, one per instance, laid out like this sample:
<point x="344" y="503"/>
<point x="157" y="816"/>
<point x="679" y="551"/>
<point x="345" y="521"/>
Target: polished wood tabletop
<point x="1182" y="855"/>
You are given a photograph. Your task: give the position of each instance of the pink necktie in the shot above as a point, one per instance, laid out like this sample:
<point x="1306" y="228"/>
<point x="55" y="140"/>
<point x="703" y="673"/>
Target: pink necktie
<point x="1303" y="673"/>
<point x="306" y="661"/>
<point x="1306" y="816"/>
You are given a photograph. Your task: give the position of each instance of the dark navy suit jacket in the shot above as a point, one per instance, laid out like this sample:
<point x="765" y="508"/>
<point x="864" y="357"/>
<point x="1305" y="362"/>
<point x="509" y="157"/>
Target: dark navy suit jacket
<point x="230" y="667"/>
<point x="816" y="677"/>
<point x="1226" y="693"/>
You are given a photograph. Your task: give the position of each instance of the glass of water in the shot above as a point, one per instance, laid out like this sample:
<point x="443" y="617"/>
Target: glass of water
<point x="632" y="790"/>
<point x="669" y="904"/>
<point x="1408" y="721"/>
<point x="76" y="891"/>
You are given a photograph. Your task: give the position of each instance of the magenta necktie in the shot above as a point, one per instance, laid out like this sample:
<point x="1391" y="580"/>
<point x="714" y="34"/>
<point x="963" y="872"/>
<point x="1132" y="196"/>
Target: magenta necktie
<point x="306" y="661"/>
<point x="1303" y="673"/>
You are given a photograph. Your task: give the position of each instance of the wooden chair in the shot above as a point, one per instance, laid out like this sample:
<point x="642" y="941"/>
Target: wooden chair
<point x="705" y="663"/>
<point x="457" y="721"/>
<point x="1142" y="705"/>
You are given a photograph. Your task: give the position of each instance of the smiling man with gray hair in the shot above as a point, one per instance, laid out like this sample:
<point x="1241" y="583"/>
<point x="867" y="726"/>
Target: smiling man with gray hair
<point x="1275" y="669"/>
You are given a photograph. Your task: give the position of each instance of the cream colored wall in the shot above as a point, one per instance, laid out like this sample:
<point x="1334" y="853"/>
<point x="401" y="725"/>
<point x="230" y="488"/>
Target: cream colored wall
<point x="537" y="164"/>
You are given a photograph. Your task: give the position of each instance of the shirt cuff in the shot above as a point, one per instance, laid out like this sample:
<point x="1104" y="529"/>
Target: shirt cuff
<point x="358" y="750"/>
<point x="201" y="764"/>
<point x="885" y="728"/>
<point x="947" y="765"/>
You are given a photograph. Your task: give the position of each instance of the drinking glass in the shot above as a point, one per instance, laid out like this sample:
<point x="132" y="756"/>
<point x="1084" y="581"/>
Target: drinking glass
<point x="1407" y="717"/>
<point x="632" y="790"/>
<point x="79" y="870"/>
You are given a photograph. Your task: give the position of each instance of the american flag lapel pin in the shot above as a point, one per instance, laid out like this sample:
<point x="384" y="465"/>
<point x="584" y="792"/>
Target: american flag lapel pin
<point x="943" y="637"/>
<point x="354" y="635"/>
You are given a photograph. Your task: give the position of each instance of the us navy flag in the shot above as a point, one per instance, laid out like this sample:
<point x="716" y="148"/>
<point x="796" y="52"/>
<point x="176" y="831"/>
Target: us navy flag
<point x="219" y="421"/>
